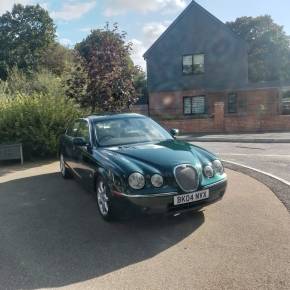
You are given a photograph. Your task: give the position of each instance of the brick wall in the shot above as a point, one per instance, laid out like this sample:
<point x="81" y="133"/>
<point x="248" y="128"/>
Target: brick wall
<point x="170" y="104"/>
<point x="258" y="110"/>
<point x="231" y="125"/>
<point x="191" y="126"/>
<point x="254" y="124"/>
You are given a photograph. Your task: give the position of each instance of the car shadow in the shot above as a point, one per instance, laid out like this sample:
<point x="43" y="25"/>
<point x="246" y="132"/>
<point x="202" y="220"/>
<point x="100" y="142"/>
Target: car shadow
<point x="51" y="234"/>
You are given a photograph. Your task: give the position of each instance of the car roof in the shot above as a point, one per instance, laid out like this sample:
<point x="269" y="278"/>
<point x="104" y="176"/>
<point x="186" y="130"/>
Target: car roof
<point x="112" y="116"/>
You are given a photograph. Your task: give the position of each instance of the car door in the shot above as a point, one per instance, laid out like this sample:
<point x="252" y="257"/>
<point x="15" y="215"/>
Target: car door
<point x="67" y="144"/>
<point x="84" y="154"/>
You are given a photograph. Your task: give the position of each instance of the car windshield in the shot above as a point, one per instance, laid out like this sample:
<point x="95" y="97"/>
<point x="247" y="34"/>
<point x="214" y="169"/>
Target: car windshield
<point x="129" y="131"/>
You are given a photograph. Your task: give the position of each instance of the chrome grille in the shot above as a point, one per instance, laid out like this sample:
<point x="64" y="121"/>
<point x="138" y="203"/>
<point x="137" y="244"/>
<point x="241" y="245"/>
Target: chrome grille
<point x="186" y="177"/>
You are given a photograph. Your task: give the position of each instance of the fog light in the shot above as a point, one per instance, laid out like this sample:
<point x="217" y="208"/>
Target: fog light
<point x="157" y="180"/>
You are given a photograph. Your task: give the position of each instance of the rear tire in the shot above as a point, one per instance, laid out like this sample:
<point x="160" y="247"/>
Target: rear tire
<point x="65" y="173"/>
<point x="105" y="201"/>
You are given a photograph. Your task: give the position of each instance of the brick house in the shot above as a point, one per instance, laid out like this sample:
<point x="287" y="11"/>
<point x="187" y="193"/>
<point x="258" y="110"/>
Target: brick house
<point x="198" y="80"/>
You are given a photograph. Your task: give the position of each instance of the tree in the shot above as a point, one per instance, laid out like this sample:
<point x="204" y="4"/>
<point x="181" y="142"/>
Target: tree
<point x="269" y="47"/>
<point x="140" y="83"/>
<point x="57" y="59"/>
<point x="109" y="73"/>
<point x="24" y="33"/>
<point x="77" y="83"/>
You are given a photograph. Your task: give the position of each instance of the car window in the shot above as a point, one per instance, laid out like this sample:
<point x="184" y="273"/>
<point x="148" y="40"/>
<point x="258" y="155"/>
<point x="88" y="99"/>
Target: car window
<point x="129" y="130"/>
<point x="83" y="131"/>
<point x="72" y="129"/>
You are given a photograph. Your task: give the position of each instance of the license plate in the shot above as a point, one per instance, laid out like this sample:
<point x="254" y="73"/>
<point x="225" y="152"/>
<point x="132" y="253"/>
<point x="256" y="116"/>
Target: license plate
<point x="191" y="197"/>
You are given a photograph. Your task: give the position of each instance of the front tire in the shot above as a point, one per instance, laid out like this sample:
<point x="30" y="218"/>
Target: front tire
<point x="105" y="201"/>
<point x="63" y="168"/>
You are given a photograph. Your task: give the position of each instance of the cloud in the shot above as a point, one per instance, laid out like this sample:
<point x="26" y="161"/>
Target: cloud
<point x="6" y="5"/>
<point x="44" y="5"/>
<point x="117" y="7"/>
<point x="65" y="42"/>
<point x="85" y="29"/>
<point x="73" y="10"/>
<point x="137" y="52"/>
<point x="151" y="32"/>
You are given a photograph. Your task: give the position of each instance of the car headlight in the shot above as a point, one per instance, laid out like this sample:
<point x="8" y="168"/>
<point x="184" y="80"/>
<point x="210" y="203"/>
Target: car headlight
<point x="136" y="180"/>
<point x="208" y="171"/>
<point x="157" y="180"/>
<point x="218" y="167"/>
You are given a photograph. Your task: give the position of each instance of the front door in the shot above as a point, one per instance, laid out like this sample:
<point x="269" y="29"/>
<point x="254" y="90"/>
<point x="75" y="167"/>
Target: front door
<point x="84" y="166"/>
<point x="69" y="148"/>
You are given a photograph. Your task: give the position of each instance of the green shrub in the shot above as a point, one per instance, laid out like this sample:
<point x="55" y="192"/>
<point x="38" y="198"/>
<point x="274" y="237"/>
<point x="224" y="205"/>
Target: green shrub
<point x="3" y="89"/>
<point x="41" y="82"/>
<point x="36" y="121"/>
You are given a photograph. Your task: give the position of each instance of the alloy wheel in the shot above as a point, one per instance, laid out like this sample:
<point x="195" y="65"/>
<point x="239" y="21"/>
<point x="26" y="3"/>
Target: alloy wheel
<point x="62" y="165"/>
<point x="102" y="198"/>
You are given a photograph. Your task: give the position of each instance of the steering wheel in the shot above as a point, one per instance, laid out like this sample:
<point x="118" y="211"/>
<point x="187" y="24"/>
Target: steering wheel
<point x="106" y="137"/>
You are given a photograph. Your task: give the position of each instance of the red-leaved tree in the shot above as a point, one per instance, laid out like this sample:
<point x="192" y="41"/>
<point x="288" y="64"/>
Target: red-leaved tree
<point x="105" y="71"/>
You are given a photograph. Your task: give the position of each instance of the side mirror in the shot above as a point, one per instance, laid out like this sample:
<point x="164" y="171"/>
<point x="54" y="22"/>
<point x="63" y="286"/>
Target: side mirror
<point x="174" y="132"/>
<point x="78" y="141"/>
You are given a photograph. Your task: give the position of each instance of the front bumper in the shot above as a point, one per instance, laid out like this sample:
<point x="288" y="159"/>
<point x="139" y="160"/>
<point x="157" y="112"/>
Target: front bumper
<point x="160" y="203"/>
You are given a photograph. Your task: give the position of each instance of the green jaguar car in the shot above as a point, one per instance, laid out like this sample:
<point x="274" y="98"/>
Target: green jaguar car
<point x="130" y="162"/>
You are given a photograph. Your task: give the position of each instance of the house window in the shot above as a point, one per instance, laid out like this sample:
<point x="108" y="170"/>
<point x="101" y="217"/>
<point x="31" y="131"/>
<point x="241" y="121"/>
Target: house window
<point x="232" y="103"/>
<point x="198" y="63"/>
<point x="187" y="64"/>
<point x="194" y="105"/>
<point x="286" y="103"/>
<point x="187" y="106"/>
<point x="193" y="64"/>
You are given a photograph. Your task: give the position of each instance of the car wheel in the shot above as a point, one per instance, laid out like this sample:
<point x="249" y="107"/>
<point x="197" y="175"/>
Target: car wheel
<point x="105" y="201"/>
<point x="63" y="169"/>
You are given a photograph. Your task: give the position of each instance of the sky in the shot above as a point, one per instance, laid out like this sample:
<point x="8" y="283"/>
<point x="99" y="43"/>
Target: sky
<point x="143" y="20"/>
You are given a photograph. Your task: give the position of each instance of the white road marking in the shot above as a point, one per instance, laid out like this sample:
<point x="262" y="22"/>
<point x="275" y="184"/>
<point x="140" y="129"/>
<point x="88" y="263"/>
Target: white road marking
<point x="260" y="171"/>
<point x="252" y="154"/>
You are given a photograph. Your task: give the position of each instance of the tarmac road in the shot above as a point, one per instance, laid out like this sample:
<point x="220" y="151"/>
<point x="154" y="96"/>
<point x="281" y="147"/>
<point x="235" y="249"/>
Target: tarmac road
<point x="273" y="158"/>
<point x="52" y="236"/>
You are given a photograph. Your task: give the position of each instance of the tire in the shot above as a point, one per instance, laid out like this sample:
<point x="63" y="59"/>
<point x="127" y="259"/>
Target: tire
<point x="64" y="171"/>
<point x="105" y="201"/>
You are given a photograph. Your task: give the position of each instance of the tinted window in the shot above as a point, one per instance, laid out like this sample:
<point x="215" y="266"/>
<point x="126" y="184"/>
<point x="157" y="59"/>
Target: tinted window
<point x="84" y="131"/>
<point x="72" y="129"/>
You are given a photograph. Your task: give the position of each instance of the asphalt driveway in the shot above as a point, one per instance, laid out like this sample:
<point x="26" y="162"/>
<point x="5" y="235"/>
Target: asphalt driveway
<point x="52" y="236"/>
